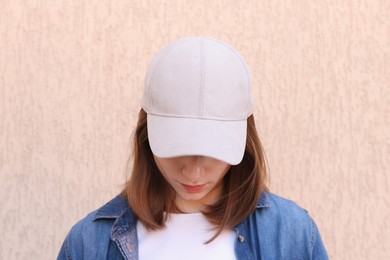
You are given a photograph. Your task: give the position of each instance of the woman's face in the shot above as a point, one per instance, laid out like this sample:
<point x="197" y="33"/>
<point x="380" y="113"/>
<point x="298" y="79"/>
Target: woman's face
<point x="197" y="180"/>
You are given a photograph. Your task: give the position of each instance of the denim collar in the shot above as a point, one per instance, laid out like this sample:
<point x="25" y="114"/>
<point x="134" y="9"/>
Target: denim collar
<point x="119" y="210"/>
<point x="125" y="218"/>
<point x="263" y="201"/>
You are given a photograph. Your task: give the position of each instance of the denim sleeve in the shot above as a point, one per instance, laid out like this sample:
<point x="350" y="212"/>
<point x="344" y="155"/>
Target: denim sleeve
<point x="73" y="246"/>
<point x="318" y="249"/>
<point x="63" y="254"/>
<point x="89" y="239"/>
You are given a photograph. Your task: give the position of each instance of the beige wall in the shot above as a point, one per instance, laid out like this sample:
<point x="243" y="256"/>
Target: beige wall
<point x="71" y="76"/>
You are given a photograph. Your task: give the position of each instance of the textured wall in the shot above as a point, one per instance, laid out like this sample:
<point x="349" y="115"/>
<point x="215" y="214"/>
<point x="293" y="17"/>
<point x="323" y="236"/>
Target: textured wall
<point x="71" y="76"/>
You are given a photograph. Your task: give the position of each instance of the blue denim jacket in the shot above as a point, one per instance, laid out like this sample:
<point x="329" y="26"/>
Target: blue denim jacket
<point x="277" y="229"/>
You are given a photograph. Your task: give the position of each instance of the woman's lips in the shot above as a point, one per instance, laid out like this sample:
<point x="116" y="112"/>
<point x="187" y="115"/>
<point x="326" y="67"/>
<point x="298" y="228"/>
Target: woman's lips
<point x="193" y="188"/>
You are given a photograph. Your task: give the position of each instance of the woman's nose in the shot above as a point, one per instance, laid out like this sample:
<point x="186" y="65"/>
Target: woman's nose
<point x="193" y="169"/>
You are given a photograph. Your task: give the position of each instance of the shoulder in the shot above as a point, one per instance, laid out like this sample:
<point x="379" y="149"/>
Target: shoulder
<point x="100" y="220"/>
<point x="280" y="206"/>
<point x="279" y="210"/>
<point x="286" y="223"/>
<point x="96" y="230"/>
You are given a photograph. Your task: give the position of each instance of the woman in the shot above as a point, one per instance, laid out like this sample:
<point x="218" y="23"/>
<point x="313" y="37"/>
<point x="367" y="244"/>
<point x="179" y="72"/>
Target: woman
<point x="197" y="189"/>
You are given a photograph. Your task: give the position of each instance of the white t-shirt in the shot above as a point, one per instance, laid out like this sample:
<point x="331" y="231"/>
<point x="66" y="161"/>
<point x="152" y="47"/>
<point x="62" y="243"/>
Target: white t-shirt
<point x="184" y="238"/>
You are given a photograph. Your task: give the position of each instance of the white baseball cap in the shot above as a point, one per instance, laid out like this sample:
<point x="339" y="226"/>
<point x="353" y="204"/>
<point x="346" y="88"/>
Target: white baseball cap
<point x="197" y="98"/>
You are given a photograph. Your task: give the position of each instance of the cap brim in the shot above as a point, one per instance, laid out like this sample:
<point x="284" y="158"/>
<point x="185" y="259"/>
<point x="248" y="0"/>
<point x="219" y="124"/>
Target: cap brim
<point x="174" y="136"/>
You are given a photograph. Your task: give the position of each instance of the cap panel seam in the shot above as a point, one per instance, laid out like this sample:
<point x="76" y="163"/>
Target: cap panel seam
<point x="238" y="55"/>
<point x="170" y="48"/>
<point x="243" y="63"/>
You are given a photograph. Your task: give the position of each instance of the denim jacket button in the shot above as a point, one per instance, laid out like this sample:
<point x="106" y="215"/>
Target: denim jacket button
<point x="241" y="238"/>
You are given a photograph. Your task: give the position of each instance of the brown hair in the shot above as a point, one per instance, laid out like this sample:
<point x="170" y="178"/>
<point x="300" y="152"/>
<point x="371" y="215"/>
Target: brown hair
<point x="150" y="195"/>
